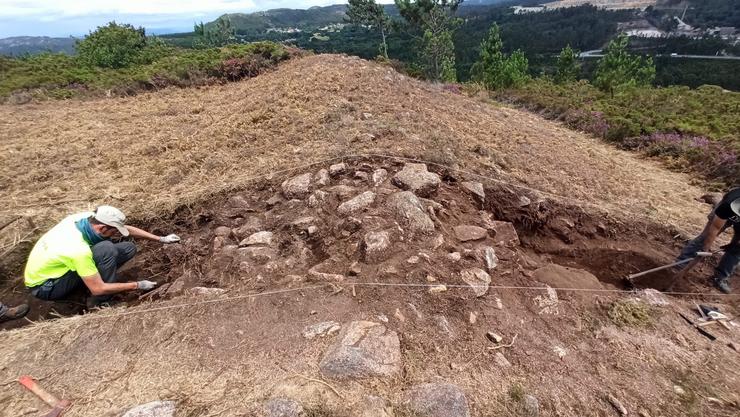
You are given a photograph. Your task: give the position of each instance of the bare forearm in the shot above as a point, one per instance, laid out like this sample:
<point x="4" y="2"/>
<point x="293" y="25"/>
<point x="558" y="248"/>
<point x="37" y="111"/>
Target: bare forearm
<point x="713" y="230"/>
<point x="116" y="287"/>
<point x="136" y="232"/>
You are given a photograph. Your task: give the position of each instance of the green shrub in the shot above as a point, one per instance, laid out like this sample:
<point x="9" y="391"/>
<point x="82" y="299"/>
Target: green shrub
<point x="156" y="65"/>
<point x="112" y="46"/>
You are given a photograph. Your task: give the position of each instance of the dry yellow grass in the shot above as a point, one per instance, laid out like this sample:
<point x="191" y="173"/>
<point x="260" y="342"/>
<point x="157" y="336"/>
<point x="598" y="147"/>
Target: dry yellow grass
<point x="153" y="152"/>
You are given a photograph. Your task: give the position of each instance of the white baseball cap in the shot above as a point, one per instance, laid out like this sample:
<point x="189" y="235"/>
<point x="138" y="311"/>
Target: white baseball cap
<point x="111" y="216"/>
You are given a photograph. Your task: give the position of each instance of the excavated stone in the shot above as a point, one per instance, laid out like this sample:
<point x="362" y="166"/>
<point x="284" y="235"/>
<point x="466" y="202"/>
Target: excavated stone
<point x="263" y="238"/>
<point x="465" y="233"/>
<point x="362" y="175"/>
<point x="364" y="349"/>
<point x="531" y="406"/>
<point x="376" y="246"/>
<point x="317" y="275"/>
<point x="322" y="178"/>
<point x="343" y="191"/>
<point x="410" y="212"/>
<point x="223" y="231"/>
<point x="437" y="400"/>
<point x="316" y="199"/>
<point x="489" y="258"/>
<point x="297" y="187"/>
<point x="256" y="254"/>
<point x="252" y="225"/>
<point x="653" y="297"/>
<point x="379" y="176"/>
<point x="206" y="291"/>
<point x="372" y="406"/>
<point x="478" y="279"/>
<point x="444" y="326"/>
<point x="357" y="203"/>
<point x="505" y="233"/>
<point x="476" y="190"/>
<point x="337" y="169"/>
<point x="454" y="256"/>
<point x="321" y="329"/>
<point x="153" y="409"/>
<point x="416" y="178"/>
<point x="283" y="407"/>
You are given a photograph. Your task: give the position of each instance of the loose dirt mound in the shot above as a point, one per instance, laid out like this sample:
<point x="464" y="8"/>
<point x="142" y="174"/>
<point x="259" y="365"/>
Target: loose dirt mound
<point x="356" y="251"/>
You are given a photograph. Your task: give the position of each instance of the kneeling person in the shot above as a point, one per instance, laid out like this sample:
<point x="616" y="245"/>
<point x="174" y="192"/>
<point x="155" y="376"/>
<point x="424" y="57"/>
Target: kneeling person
<point x="78" y="250"/>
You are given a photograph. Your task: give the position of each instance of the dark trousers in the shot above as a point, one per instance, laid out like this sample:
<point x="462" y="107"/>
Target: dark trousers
<point x="108" y="257"/>
<point x="729" y="261"/>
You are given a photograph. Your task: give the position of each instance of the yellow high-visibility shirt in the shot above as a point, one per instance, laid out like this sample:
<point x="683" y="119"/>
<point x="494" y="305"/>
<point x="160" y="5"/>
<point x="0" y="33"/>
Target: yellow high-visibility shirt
<point x="60" y="250"/>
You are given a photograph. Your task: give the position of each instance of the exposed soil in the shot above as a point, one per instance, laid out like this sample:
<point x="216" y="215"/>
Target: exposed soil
<point x="228" y="357"/>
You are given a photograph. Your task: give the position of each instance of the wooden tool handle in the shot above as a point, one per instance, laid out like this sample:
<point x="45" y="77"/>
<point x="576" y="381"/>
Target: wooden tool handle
<point x="29" y="383"/>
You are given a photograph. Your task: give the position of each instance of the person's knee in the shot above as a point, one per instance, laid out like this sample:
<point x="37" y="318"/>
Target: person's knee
<point x="104" y="251"/>
<point x="128" y="249"/>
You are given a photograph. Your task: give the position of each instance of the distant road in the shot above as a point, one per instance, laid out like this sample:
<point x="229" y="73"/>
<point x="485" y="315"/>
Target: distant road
<point x="597" y="53"/>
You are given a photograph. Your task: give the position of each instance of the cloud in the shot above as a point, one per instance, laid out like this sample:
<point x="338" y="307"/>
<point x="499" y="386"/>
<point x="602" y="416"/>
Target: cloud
<point x="71" y="8"/>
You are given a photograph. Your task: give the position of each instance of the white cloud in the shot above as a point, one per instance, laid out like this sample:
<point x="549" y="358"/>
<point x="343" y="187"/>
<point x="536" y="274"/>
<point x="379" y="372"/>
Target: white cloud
<point x="69" y="8"/>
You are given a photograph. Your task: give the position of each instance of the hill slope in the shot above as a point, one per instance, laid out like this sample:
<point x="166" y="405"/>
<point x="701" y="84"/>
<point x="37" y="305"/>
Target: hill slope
<point x="211" y="163"/>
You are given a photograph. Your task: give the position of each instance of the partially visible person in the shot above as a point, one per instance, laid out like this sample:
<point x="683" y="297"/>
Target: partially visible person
<point x="724" y="215"/>
<point x="78" y="251"/>
<point x="12" y="313"/>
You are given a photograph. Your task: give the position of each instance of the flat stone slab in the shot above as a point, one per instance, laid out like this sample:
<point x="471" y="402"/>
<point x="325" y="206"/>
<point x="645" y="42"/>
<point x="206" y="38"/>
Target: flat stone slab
<point x="465" y="233"/>
<point x="416" y="178"/>
<point x="505" y="233"/>
<point x="364" y="349"/>
<point x="321" y="329"/>
<point x="437" y="400"/>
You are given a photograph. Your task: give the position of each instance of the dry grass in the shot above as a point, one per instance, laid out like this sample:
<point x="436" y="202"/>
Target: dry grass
<point x="152" y="153"/>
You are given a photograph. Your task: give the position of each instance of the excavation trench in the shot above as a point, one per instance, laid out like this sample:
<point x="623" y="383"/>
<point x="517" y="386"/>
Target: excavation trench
<point x="310" y="237"/>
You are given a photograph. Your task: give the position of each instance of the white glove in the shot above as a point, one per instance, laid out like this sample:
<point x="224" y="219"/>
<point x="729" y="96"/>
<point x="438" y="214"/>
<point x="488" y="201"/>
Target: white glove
<point x="170" y="239"/>
<point x="145" y="285"/>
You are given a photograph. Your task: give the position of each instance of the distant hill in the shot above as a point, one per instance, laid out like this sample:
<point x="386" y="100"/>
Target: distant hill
<point x="20" y="45"/>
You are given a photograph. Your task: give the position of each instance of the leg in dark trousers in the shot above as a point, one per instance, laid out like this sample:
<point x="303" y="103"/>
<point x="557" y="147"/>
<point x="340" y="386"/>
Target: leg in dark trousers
<point x="108" y="258"/>
<point x="58" y="289"/>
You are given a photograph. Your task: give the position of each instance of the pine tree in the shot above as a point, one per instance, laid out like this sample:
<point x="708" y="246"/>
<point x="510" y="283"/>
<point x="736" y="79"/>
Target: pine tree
<point x="496" y="70"/>
<point x="367" y="12"/>
<point x="568" y="66"/>
<point x="619" y="69"/>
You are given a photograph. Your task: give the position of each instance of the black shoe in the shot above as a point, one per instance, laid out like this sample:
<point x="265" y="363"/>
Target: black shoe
<point x="15" y="313"/>
<point x="722" y="285"/>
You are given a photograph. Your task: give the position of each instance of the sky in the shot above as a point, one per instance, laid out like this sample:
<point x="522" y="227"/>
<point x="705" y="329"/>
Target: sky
<point x="61" y="18"/>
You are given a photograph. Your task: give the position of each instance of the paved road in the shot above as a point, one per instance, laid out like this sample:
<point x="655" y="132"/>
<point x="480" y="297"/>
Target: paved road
<point x="596" y="53"/>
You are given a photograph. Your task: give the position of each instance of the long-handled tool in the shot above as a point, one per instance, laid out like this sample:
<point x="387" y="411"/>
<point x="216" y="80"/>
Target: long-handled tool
<point x="699" y="328"/>
<point x="58" y="406"/>
<point x="691" y="261"/>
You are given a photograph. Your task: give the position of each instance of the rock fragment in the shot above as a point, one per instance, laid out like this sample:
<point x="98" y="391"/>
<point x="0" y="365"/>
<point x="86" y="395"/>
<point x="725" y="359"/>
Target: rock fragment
<point x="410" y="212"/>
<point x="465" y="233"/>
<point x="322" y="177"/>
<point x="437" y="400"/>
<point x="478" y="279"/>
<point x="283" y="407"/>
<point x="263" y="238"/>
<point x="416" y="178"/>
<point x="357" y="203"/>
<point x="337" y="169"/>
<point x="476" y="190"/>
<point x="297" y="187"/>
<point x="363" y="349"/>
<point x="379" y="176"/>
<point x="321" y="329"/>
<point x="376" y="246"/>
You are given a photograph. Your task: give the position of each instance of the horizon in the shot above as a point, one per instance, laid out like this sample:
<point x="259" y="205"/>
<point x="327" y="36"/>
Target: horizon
<point x="77" y="18"/>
